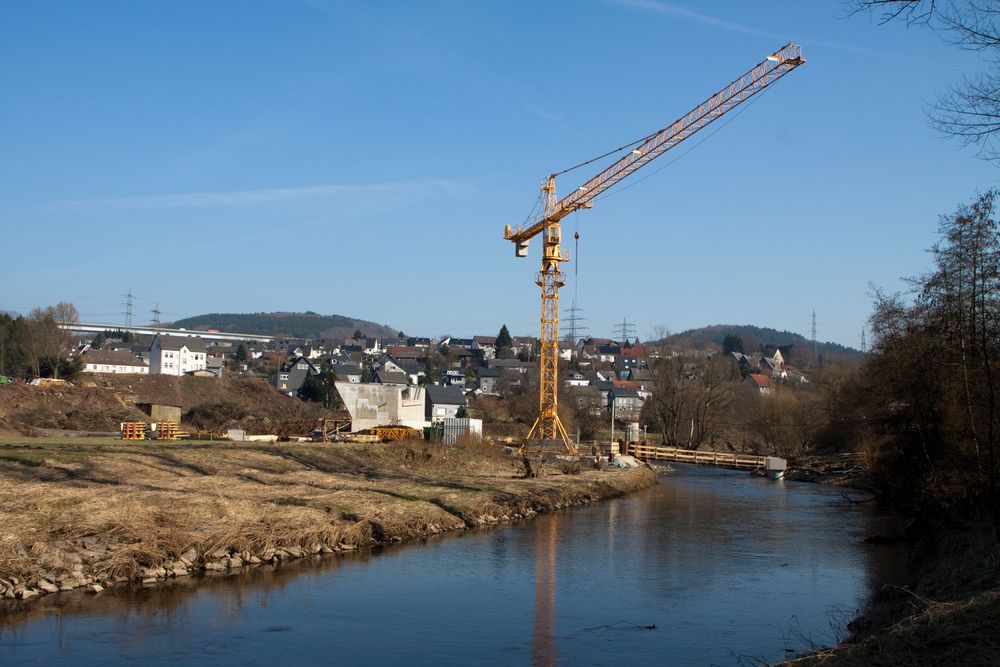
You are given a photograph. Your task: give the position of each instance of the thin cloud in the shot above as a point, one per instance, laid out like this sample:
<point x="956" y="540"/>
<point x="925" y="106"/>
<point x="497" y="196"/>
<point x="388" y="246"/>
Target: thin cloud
<point x="668" y="9"/>
<point x="189" y="200"/>
<point x="691" y="15"/>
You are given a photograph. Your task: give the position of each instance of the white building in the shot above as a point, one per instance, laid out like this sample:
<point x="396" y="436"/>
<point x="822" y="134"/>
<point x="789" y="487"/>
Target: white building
<point x="177" y="355"/>
<point x="113" y="361"/>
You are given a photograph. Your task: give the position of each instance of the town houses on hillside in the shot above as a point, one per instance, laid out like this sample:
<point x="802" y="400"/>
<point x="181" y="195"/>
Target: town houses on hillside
<point x="601" y="376"/>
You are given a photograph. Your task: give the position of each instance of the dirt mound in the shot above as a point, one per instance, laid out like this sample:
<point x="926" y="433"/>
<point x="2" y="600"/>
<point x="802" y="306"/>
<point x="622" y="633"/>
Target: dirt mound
<point x="101" y="403"/>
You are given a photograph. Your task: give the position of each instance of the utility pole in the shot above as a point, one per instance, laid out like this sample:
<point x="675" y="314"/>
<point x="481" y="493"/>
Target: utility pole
<point x="156" y="316"/>
<point x="128" y="308"/>
<point x="863" y="350"/>
<point x="624" y="330"/>
<point x="815" y="353"/>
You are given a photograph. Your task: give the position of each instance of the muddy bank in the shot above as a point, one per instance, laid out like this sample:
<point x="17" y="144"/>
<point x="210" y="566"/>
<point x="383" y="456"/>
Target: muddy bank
<point x="95" y="514"/>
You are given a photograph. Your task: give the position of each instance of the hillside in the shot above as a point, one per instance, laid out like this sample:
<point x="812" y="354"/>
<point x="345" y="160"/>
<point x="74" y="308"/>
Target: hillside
<point x="100" y="403"/>
<point x="756" y="339"/>
<point x="291" y="325"/>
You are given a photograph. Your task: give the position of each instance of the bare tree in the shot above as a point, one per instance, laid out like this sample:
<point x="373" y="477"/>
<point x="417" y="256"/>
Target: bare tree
<point x="970" y="109"/>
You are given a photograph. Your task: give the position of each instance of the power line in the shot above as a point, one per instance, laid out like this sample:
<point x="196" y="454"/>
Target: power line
<point x="625" y="330"/>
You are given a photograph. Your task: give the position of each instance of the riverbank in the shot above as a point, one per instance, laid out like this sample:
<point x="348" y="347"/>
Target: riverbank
<point x="97" y="513"/>
<point x="948" y="614"/>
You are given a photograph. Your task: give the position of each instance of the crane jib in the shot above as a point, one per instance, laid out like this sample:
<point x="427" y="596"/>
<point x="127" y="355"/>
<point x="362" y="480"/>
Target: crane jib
<point x="740" y="90"/>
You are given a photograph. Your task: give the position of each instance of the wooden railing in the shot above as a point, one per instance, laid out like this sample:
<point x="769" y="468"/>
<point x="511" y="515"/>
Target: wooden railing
<point x="721" y="459"/>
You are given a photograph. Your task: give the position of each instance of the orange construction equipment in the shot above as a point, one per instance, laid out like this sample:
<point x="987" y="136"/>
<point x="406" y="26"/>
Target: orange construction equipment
<point x="133" y="431"/>
<point x="547" y="431"/>
<point x="166" y="431"/>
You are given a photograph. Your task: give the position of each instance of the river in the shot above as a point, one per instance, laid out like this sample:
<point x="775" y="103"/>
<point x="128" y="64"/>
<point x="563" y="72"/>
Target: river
<point x="710" y="567"/>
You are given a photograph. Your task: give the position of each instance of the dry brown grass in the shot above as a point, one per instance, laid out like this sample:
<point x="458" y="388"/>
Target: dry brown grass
<point x="147" y="503"/>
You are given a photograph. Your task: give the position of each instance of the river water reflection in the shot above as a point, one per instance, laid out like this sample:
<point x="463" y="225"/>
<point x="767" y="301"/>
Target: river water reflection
<point x="729" y="569"/>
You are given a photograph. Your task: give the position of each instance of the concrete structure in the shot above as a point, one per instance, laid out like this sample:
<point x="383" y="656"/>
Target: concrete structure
<point x="162" y="413"/>
<point x="81" y="327"/>
<point x="174" y="355"/>
<point x="113" y="361"/>
<point x="371" y="404"/>
<point x="775" y="467"/>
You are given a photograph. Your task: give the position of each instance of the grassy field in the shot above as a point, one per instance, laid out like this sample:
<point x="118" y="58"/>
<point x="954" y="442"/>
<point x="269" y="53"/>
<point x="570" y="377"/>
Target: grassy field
<point x="79" y="512"/>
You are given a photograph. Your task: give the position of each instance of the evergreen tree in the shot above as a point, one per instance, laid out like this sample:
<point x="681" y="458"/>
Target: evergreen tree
<point x="241" y="353"/>
<point x="504" y="344"/>
<point x="732" y="343"/>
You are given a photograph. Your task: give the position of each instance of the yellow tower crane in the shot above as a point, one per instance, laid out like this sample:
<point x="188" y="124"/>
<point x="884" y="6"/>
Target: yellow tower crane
<point x="548" y="433"/>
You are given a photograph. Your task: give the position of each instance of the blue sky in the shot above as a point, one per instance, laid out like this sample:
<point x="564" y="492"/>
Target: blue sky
<point x="363" y="158"/>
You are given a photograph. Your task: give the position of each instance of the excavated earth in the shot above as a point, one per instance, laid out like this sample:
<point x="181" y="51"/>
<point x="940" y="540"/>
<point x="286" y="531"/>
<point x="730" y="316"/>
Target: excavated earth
<point x="99" y="403"/>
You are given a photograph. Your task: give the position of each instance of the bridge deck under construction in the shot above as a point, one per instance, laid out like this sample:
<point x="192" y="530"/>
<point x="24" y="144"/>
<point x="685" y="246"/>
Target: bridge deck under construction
<point x="646" y="452"/>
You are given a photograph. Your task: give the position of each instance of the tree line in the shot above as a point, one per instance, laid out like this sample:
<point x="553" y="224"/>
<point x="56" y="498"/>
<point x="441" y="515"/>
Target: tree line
<point x="35" y="346"/>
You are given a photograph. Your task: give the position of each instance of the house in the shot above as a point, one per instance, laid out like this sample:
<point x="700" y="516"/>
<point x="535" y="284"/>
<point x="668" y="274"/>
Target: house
<point x="391" y="377"/>
<point x="347" y="372"/>
<point x="588" y="399"/>
<point x="743" y="361"/>
<point x="453" y="376"/>
<point x="626" y="402"/>
<point x="524" y="346"/>
<point x="604" y="387"/>
<point x="215" y="366"/>
<point x="487" y="344"/>
<point x="760" y="382"/>
<point x="464" y="356"/>
<point x="511" y="365"/>
<point x="387" y="363"/>
<point x="414" y="370"/>
<point x="488" y="378"/>
<point x="177" y="355"/>
<point x="408" y="353"/>
<point x="113" y="361"/>
<point x="291" y="376"/>
<point x="576" y="379"/>
<point x="631" y="358"/>
<point x="443" y="402"/>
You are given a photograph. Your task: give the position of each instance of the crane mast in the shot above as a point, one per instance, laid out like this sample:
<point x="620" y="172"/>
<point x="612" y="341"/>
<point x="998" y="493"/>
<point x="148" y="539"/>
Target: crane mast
<point x="548" y="430"/>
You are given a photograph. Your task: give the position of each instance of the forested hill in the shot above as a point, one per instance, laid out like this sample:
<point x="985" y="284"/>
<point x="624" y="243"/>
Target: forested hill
<point x="292" y="325"/>
<point x="756" y="339"/>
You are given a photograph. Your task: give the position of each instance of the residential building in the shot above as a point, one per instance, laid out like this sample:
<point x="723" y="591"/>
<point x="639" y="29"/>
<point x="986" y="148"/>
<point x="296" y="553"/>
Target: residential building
<point x="760" y="382"/>
<point x="347" y="372"/>
<point x="443" y="402"/>
<point x="487" y="344"/>
<point x="291" y="376"/>
<point x="626" y="402"/>
<point x="177" y="355"/>
<point x="113" y="361"/>
<point x="488" y="378"/>
<point x="391" y="377"/>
